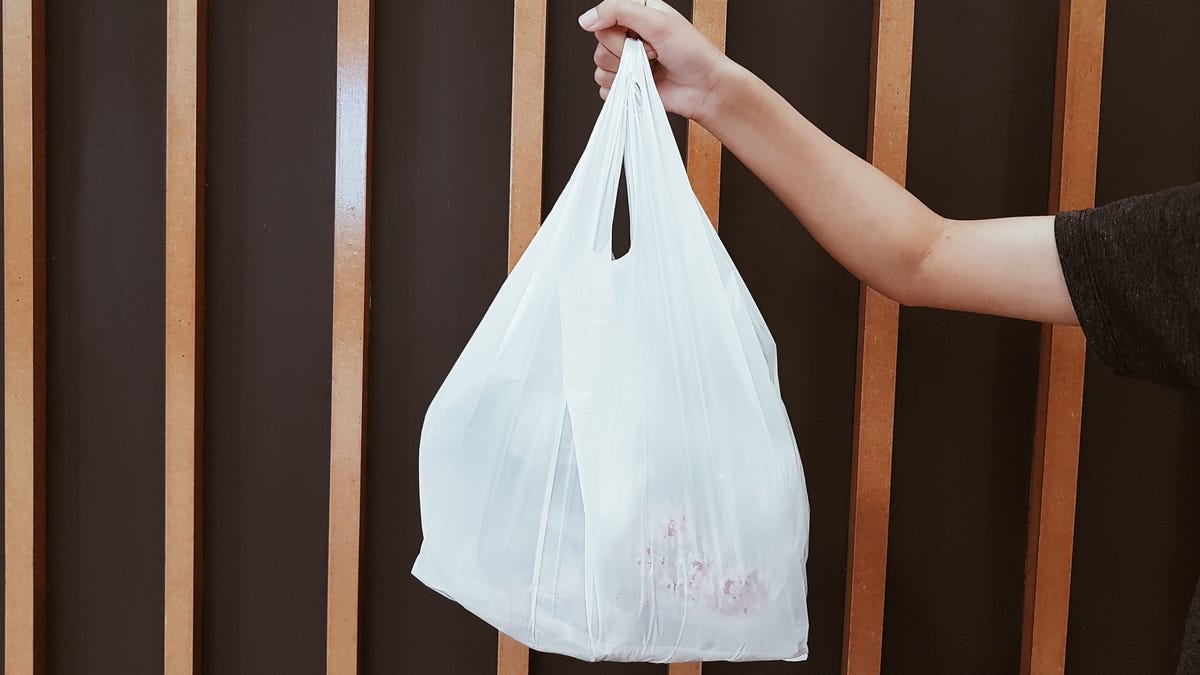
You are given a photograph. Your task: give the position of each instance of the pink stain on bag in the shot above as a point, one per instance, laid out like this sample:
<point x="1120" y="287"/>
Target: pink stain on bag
<point x="608" y="471"/>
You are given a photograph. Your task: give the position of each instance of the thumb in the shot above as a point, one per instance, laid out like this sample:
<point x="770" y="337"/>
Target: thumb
<point x="651" y="24"/>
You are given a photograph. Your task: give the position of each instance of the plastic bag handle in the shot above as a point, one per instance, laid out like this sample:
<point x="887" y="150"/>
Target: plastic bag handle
<point x="632" y="130"/>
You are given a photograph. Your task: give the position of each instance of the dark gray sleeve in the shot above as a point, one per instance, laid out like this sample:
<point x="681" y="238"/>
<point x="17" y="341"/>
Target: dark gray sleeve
<point x="1133" y="271"/>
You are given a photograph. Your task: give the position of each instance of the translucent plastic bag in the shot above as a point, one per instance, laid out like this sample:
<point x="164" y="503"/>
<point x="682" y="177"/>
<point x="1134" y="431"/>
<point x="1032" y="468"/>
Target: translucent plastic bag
<point x="608" y="471"/>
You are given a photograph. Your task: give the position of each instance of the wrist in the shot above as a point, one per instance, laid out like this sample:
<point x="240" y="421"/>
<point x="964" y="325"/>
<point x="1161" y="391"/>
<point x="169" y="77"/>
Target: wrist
<point x="728" y="86"/>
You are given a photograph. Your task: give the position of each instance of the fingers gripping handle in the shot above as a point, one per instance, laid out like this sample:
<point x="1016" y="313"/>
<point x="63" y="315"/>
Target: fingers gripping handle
<point x="632" y="130"/>
<point x="642" y="140"/>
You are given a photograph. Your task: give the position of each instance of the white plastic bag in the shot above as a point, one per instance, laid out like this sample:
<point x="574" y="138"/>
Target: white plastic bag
<point x="608" y="471"/>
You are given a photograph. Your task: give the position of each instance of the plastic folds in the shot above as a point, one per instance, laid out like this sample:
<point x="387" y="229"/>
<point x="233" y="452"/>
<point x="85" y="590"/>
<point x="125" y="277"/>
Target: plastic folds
<point x="608" y="471"/>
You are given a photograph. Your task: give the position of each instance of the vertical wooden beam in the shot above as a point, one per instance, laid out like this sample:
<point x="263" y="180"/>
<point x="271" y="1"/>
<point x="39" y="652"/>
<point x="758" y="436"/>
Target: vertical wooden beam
<point x="524" y="190"/>
<point x="24" y="336"/>
<point x="184" y="337"/>
<point x="528" y="103"/>
<point x="1060" y="380"/>
<point x="512" y="657"/>
<point x="685" y="668"/>
<point x="703" y="149"/>
<point x="704" y="165"/>
<point x="878" y="325"/>
<point x="351" y="293"/>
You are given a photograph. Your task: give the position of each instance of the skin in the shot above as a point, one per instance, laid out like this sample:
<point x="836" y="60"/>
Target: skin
<point x="878" y="230"/>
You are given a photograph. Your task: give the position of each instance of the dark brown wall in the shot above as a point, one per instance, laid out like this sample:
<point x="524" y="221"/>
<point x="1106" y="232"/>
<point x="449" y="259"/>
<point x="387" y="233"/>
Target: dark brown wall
<point x="1137" y="553"/>
<point x="439" y="250"/>
<point x="980" y="144"/>
<point x="269" y="277"/>
<point x="817" y="55"/>
<point x="105" y="134"/>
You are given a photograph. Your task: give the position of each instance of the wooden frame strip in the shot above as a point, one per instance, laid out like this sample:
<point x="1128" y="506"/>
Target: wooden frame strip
<point x="878" y="325"/>
<point x="184" y="336"/>
<point x="1060" y="380"/>
<point x="351" y="279"/>
<point x="24" y="131"/>
<point x="528" y="112"/>
<point x="704" y="165"/>
<point x="524" y="190"/>
<point x="703" y="149"/>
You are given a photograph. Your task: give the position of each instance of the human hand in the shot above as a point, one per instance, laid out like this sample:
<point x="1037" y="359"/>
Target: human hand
<point x="687" y="68"/>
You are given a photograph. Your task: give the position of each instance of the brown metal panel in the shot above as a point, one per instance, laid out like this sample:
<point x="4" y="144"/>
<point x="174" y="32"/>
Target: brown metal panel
<point x="24" y="336"/>
<point x="703" y="149"/>
<point x="351" y="251"/>
<point x="184" y="334"/>
<point x="1060" y="383"/>
<point x="878" y="326"/>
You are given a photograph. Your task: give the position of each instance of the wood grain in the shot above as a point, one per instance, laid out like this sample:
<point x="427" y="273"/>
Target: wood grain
<point x="512" y="657"/>
<point x="351" y="293"/>
<point x="704" y="165"/>
<point x="184" y="336"/>
<point x="875" y="388"/>
<point x="24" y="78"/>
<point x="1060" y="380"/>
<point x="528" y="106"/>
<point x="524" y="190"/>
<point x="703" y="149"/>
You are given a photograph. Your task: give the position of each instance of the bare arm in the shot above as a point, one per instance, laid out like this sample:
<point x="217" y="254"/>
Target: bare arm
<point x="875" y="228"/>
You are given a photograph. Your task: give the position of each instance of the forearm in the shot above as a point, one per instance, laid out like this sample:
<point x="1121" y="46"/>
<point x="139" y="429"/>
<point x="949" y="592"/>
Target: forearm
<point x="878" y="230"/>
<point x="885" y="236"/>
<point x="871" y="225"/>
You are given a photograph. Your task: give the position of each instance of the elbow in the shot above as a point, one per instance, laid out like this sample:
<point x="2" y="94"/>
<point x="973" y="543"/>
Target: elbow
<point x="915" y="282"/>
<point x="903" y="295"/>
<point x="906" y="295"/>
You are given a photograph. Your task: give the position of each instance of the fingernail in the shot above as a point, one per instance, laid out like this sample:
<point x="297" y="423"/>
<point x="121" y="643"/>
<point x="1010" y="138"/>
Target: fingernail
<point x="588" y="18"/>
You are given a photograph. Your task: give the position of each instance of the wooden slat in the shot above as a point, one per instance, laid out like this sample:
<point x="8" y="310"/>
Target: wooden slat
<point x="512" y="657"/>
<point x="704" y="165"/>
<point x="24" y="337"/>
<point x="184" y="335"/>
<point x="875" y="391"/>
<point x="703" y="149"/>
<point x="1060" y="381"/>
<point x="351" y="249"/>
<point x="528" y="102"/>
<point x="524" y="190"/>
